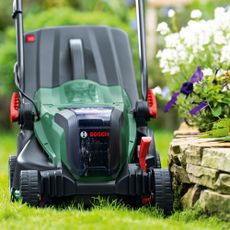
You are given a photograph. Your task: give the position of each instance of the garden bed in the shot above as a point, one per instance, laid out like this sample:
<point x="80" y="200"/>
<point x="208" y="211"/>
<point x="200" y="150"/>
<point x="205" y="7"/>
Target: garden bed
<point x="200" y="169"/>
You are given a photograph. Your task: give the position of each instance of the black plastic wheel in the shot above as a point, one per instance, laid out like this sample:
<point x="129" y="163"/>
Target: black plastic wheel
<point x="157" y="161"/>
<point x="30" y="187"/>
<point x="163" y="194"/>
<point x="153" y="152"/>
<point x="11" y="169"/>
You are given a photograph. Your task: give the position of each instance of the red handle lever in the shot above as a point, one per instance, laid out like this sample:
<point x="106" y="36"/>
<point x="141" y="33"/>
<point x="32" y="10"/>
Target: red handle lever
<point x="144" y="149"/>
<point x="152" y="104"/>
<point x="14" y="107"/>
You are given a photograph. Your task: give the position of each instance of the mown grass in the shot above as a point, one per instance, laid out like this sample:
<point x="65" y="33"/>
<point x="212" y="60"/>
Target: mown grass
<point x="103" y="215"/>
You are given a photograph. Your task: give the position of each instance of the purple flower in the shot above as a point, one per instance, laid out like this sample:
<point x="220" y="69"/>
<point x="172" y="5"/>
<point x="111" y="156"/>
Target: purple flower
<point x="187" y="88"/>
<point x="171" y="102"/>
<point x="197" y="75"/>
<point x="198" y="108"/>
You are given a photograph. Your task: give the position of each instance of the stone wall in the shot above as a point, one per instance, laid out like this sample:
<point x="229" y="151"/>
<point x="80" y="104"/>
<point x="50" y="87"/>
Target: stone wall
<point x="201" y="171"/>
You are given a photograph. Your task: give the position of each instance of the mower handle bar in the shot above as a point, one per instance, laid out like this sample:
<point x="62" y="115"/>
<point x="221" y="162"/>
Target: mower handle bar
<point x="140" y="11"/>
<point x="18" y="17"/>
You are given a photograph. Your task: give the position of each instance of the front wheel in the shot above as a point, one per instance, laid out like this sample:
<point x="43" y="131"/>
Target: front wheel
<point x="163" y="195"/>
<point x="30" y="187"/>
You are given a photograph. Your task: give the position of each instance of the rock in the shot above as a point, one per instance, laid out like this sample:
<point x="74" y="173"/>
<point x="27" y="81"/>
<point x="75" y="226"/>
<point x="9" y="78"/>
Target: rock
<point x="177" y="147"/>
<point x="178" y="159"/>
<point x="173" y="158"/>
<point x="200" y="169"/>
<point x="193" y="155"/>
<point x="202" y="176"/>
<point x="222" y="184"/>
<point x="180" y="145"/>
<point x="185" y="130"/>
<point x="217" y="158"/>
<point x="214" y="202"/>
<point x="179" y="173"/>
<point x="191" y="197"/>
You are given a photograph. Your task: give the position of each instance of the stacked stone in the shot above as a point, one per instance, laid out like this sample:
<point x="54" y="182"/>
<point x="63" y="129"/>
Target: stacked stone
<point x="201" y="171"/>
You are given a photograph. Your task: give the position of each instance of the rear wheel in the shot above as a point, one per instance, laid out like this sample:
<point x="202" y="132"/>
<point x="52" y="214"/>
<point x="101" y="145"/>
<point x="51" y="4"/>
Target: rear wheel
<point x="153" y="152"/>
<point x="163" y="194"/>
<point x="30" y="187"/>
<point x="11" y="167"/>
<point x="157" y="161"/>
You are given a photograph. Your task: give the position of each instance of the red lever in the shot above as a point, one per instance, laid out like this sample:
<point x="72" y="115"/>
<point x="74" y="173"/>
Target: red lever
<point x="144" y="149"/>
<point x="147" y="200"/>
<point x="14" y="107"/>
<point x="152" y="104"/>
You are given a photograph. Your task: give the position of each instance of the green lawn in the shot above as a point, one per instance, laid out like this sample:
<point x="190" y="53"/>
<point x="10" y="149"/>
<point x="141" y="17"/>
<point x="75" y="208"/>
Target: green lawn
<point x="103" y="216"/>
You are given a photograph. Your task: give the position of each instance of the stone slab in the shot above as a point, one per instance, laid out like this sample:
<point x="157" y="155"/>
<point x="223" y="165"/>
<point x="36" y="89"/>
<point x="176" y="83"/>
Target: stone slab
<point x="193" y="155"/>
<point x="191" y="197"/>
<point x="179" y="173"/>
<point x="217" y="158"/>
<point x="200" y="170"/>
<point x="222" y="184"/>
<point x="214" y="202"/>
<point x="202" y="176"/>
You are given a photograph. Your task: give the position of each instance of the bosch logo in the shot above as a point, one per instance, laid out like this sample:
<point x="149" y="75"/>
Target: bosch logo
<point x="99" y="134"/>
<point x="84" y="134"/>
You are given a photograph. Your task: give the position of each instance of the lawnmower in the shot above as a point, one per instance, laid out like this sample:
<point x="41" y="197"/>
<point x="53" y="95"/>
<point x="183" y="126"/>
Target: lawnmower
<point x="83" y="128"/>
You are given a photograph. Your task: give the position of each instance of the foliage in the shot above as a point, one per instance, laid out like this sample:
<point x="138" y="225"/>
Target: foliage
<point x="221" y="129"/>
<point x="116" y="7"/>
<point x="5" y="12"/>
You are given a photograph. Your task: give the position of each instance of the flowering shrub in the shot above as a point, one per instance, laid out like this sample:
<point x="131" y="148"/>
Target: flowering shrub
<point x="200" y="43"/>
<point x="203" y="100"/>
<point x="203" y="97"/>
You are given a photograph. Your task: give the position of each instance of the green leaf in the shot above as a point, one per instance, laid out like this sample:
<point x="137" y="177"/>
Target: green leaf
<point x="216" y="112"/>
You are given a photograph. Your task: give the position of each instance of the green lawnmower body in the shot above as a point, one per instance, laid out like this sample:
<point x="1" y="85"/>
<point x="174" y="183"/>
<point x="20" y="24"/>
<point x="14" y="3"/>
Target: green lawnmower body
<point x="81" y="94"/>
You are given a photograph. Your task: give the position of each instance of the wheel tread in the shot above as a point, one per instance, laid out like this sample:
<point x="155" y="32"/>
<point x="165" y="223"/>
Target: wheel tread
<point x="163" y="190"/>
<point x="30" y="187"/>
<point x="12" y="164"/>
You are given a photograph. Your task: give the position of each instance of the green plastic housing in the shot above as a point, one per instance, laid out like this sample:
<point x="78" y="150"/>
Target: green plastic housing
<point x="80" y="94"/>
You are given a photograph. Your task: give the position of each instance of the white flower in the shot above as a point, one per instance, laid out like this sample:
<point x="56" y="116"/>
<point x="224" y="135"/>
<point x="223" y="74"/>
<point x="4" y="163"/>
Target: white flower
<point x="163" y="28"/>
<point x="225" y="54"/>
<point x="208" y="72"/>
<point x="219" y="11"/>
<point x="171" y="13"/>
<point x="174" y="70"/>
<point x="200" y="42"/>
<point x="221" y="72"/>
<point x="196" y="14"/>
<point x="219" y="38"/>
<point x="226" y="88"/>
<point x="172" y="40"/>
<point x="165" y="92"/>
<point x="157" y="90"/>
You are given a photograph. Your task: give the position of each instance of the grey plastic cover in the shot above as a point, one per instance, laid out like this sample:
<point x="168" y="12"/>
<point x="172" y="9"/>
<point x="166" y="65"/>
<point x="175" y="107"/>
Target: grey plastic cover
<point x="106" y="51"/>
